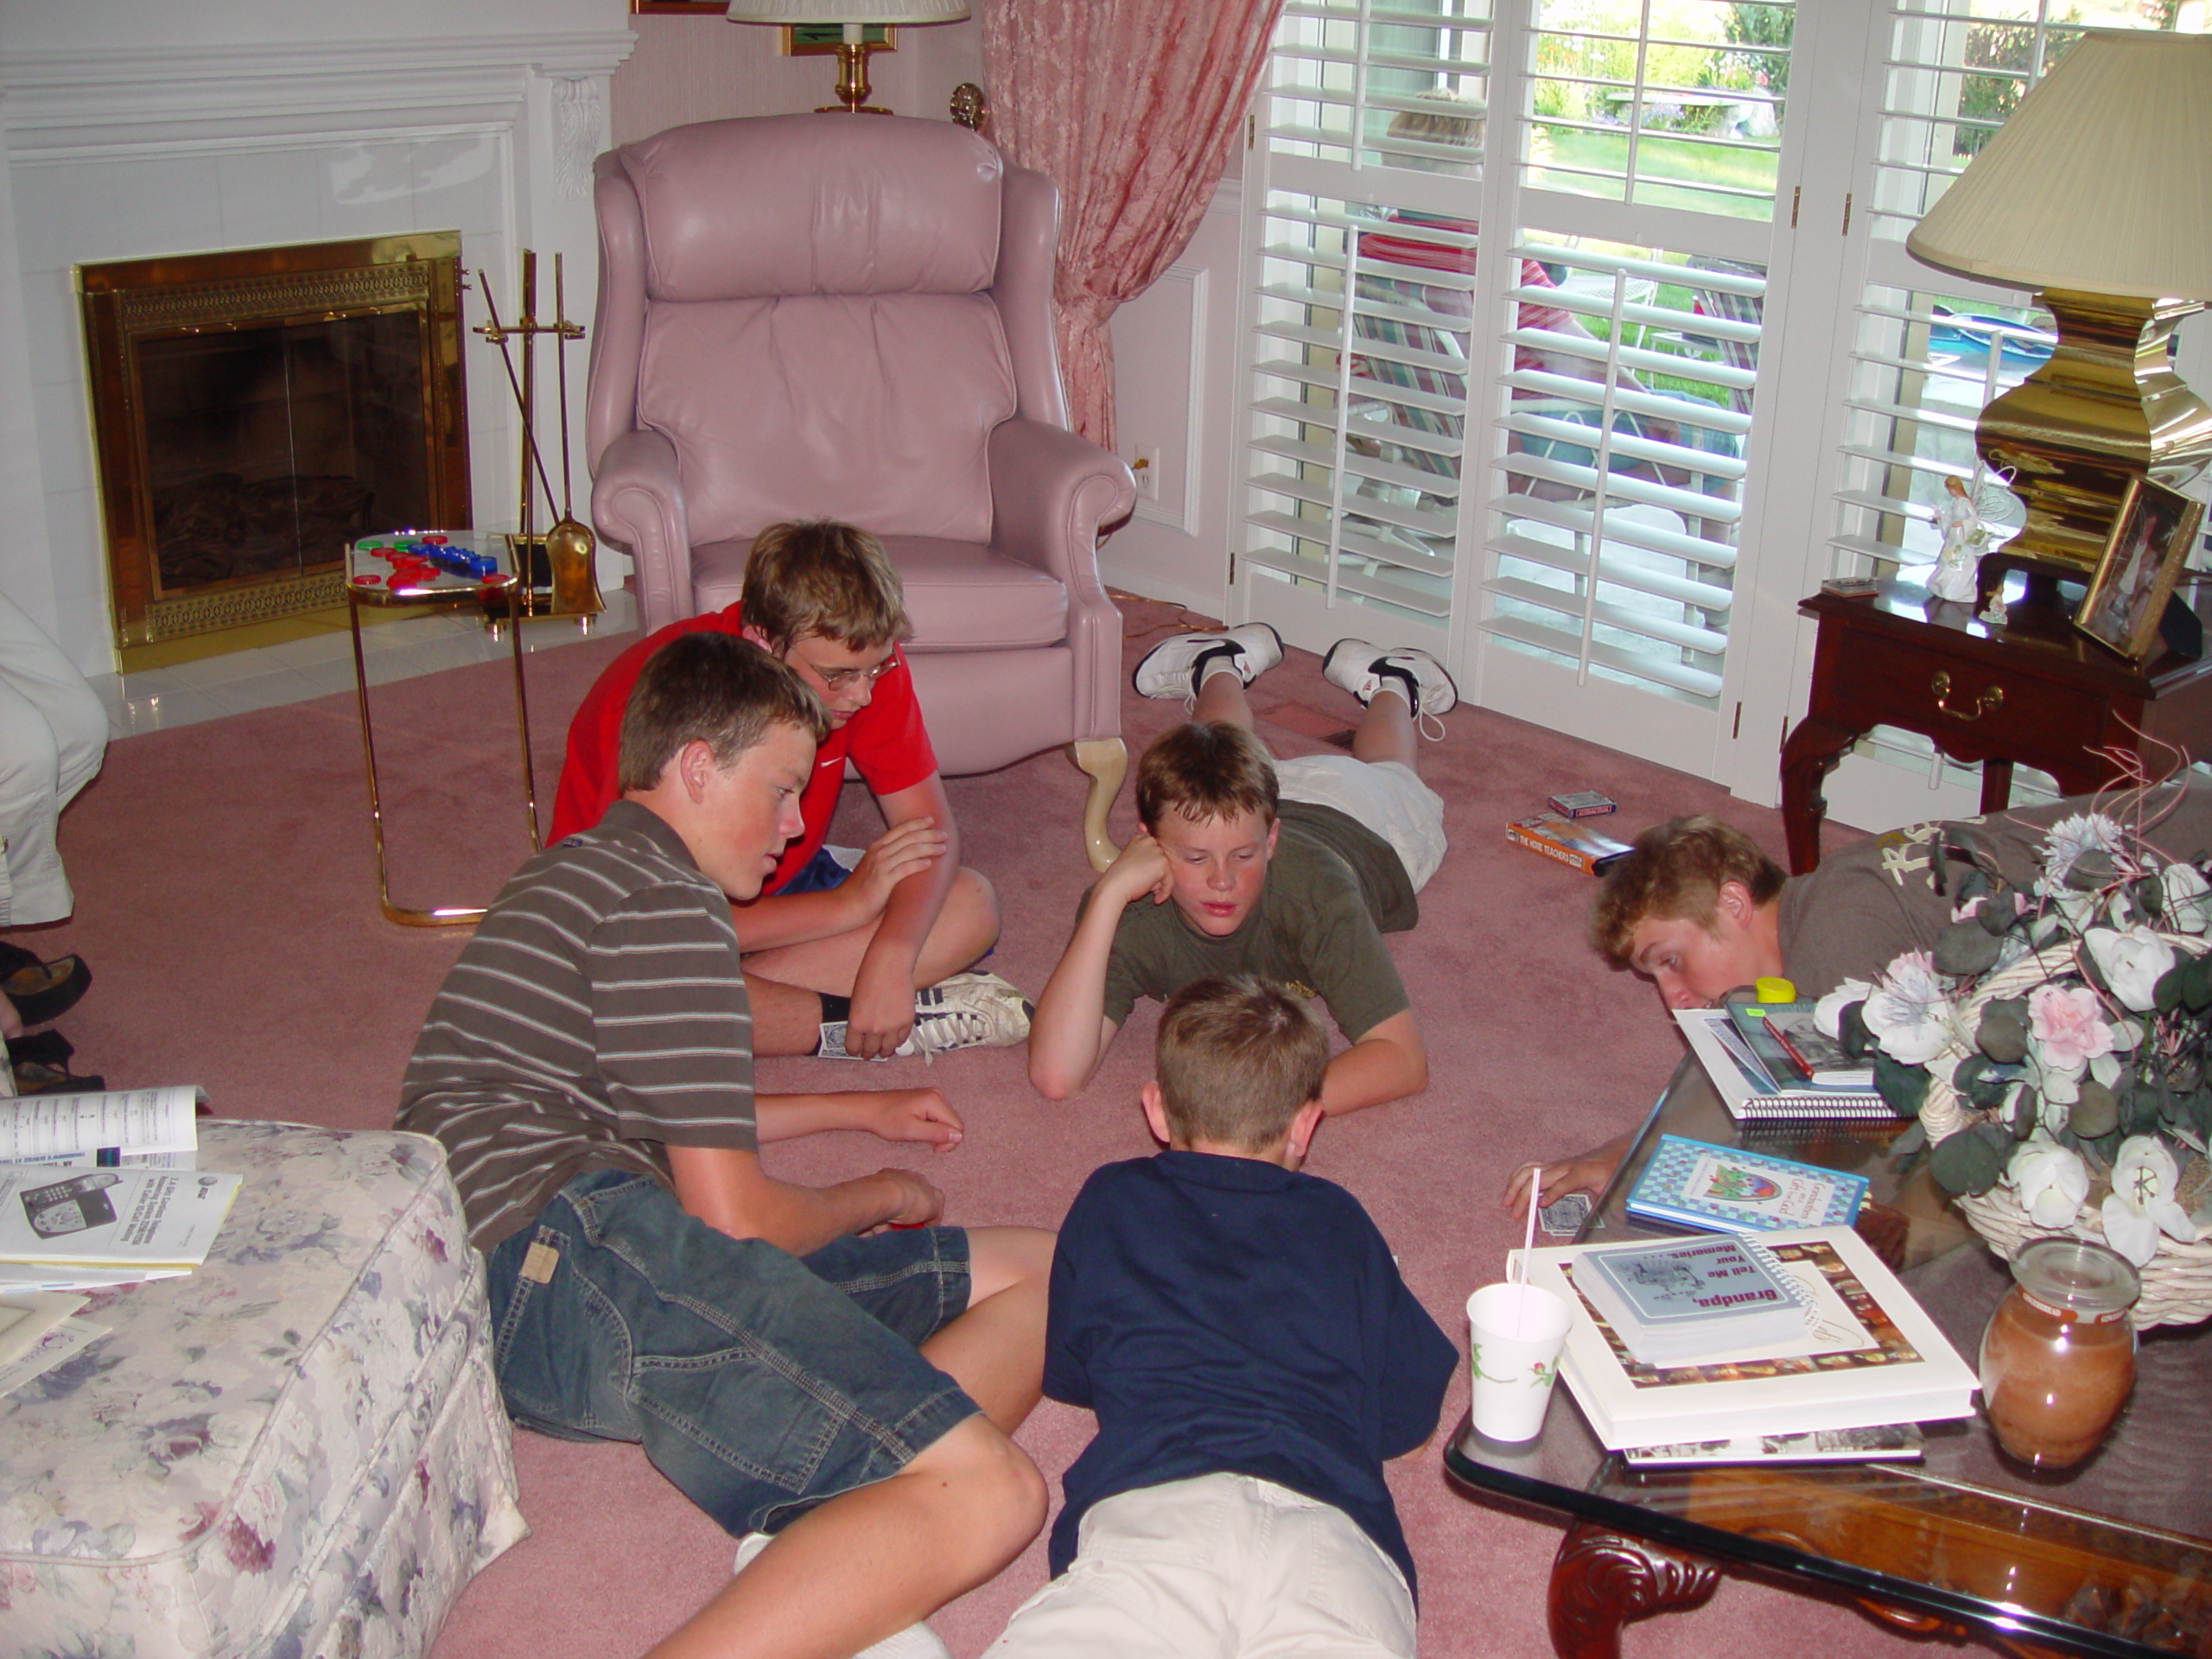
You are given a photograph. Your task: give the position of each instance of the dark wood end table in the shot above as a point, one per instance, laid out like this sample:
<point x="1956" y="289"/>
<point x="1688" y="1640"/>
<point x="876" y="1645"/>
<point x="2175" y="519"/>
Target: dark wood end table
<point x="2031" y="691"/>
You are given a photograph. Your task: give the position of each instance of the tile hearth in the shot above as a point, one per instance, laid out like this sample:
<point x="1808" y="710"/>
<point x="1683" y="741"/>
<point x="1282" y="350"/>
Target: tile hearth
<point x="185" y="694"/>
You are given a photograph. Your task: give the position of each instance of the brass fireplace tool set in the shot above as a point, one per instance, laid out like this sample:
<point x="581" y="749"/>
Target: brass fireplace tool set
<point x="558" y="565"/>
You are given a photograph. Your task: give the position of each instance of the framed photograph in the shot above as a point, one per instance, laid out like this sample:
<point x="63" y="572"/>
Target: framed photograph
<point x="2150" y="542"/>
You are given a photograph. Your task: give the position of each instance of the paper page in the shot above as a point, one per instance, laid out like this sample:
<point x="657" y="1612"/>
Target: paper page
<point x="19" y="1277"/>
<point x="65" y="1341"/>
<point x="26" y="1316"/>
<point x="81" y="1128"/>
<point x="112" y="1218"/>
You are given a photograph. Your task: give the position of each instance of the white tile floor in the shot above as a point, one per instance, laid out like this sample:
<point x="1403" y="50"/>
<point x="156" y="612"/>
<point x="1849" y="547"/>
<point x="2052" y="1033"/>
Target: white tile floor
<point x="161" y="699"/>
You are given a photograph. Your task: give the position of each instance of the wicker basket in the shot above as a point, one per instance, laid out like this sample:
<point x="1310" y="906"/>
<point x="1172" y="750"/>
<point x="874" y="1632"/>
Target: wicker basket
<point x="2177" y="1281"/>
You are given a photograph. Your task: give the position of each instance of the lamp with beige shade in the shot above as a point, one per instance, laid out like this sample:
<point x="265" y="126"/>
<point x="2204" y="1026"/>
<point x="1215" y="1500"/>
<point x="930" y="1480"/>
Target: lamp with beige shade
<point x="855" y="17"/>
<point x="2097" y="193"/>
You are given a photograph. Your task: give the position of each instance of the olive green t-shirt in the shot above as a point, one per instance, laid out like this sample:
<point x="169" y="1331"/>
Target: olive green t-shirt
<point x="1333" y="888"/>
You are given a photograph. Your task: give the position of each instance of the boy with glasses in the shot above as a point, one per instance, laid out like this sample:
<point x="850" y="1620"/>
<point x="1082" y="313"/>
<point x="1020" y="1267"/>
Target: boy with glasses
<point x="849" y="953"/>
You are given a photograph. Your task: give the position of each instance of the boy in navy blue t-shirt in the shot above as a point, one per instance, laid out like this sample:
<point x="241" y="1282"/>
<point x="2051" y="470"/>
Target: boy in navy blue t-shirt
<point x="1253" y="1357"/>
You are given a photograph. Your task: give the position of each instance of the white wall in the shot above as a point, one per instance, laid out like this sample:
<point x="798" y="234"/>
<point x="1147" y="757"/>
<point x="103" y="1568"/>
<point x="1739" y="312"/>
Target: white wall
<point x="145" y="127"/>
<point x="1175" y="374"/>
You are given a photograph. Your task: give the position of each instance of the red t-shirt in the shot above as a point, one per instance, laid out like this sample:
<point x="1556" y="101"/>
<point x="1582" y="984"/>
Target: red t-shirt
<point x="885" y="741"/>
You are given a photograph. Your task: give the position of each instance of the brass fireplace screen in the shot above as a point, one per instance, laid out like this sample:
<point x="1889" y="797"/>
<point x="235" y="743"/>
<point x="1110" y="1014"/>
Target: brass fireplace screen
<point x="255" y="411"/>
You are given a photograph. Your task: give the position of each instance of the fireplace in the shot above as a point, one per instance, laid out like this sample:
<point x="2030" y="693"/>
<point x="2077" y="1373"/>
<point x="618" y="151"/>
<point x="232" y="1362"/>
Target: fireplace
<point x="254" y="411"/>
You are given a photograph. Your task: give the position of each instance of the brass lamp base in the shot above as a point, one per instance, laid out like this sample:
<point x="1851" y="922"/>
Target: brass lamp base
<point x="852" y="81"/>
<point x="2107" y="409"/>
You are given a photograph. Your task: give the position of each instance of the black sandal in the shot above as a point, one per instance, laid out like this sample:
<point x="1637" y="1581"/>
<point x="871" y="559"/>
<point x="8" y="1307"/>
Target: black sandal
<point x="38" y="1078"/>
<point x="42" y="990"/>
<point x="46" y="1047"/>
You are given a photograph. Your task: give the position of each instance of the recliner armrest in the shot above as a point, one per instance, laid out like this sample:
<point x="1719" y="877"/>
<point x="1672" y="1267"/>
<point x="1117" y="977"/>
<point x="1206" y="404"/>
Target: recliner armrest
<point x="637" y="499"/>
<point x="1050" y="493"/>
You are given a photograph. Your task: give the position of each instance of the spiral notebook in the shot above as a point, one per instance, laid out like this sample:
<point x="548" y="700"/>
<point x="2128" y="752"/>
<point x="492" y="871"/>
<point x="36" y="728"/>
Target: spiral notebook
<point x="1751" y="1095"/>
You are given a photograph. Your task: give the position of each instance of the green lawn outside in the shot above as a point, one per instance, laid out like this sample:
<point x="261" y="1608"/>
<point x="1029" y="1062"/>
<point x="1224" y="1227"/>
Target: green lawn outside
<point x="1660" y="160"/>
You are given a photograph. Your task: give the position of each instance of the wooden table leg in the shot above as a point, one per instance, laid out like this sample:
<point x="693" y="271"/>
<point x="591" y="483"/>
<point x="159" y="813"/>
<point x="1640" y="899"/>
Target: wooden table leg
<point x="1809" y="755"/>
<point x="1602" y="1580"/>
<point x="1996" y="786"/>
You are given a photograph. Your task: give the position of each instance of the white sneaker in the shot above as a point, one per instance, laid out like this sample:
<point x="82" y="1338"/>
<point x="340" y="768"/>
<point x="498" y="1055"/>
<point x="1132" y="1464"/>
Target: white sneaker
<point x="967" y="1011"/>
<point x="915" y="1642"/>
<point x="1362" y="670"/>
<point x="960" y="1011"/>
<point x="1174" y="667"/>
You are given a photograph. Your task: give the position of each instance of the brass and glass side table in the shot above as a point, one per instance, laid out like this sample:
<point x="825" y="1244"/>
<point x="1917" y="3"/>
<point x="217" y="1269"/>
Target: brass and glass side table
<point x="432" y="567"/>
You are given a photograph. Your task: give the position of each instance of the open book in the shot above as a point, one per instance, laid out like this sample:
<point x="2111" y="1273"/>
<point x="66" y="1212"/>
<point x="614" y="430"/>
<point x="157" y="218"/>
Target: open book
<point x="125" y="1128"/>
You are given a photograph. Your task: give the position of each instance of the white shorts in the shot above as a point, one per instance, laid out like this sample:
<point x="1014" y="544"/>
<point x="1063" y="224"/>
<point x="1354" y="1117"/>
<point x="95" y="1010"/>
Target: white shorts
<point x="1221" y="1564"/>
<point x="1386" y="796"/>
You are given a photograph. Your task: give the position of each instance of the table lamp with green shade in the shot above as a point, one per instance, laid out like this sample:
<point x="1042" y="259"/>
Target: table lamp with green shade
<point x="2097" y="192"/>
<point x="855" y="17"/>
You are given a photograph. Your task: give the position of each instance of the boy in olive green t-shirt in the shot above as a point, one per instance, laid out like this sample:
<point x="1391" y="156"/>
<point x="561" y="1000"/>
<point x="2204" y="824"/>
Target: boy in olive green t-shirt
<point x="1292" y="872"/>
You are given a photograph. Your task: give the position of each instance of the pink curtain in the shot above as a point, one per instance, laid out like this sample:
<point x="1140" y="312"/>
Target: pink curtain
<point x="1130" y="106"/>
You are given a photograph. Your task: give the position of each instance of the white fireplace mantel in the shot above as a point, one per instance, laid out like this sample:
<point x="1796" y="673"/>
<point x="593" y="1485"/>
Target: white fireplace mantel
<point x="134" y="128"/>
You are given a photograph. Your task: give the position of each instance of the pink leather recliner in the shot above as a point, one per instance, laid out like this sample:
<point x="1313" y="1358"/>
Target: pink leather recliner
<point x="833" y="316"/>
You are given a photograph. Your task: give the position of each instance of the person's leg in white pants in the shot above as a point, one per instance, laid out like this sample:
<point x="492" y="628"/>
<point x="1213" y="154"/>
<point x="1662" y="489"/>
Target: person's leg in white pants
<point x="1220" y="1565"/>
<point x="52" y="738"/>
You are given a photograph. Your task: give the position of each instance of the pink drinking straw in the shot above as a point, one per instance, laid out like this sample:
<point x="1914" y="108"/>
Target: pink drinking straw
<point x="1528" y="1243"/>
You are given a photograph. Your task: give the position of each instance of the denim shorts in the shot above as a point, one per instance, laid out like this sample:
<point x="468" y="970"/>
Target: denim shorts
<point x="828" y="868"/>
<point x="759" y="1382"/>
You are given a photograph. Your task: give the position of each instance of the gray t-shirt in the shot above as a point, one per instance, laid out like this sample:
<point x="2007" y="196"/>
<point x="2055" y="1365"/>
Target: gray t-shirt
<point x="1874" y="900"/>
<point x="1333" y="888"/>
<point x="597" y="1017"/>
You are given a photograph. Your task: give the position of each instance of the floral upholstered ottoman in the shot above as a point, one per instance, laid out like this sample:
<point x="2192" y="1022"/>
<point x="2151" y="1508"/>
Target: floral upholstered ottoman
<point x="297" y="1450"/>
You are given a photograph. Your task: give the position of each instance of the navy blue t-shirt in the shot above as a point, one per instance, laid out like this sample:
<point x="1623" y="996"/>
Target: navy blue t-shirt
<point x="1223" y="1315"/>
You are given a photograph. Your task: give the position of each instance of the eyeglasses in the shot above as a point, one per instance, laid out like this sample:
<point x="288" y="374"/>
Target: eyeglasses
<point x="839" y="679"/>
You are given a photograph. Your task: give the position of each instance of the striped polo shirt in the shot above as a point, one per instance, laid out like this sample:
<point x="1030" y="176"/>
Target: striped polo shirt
<point x="598" y="1013"/>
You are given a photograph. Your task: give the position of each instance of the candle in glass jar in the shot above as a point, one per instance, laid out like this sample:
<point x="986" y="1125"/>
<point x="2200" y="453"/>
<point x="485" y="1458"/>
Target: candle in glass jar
<point x="2058" y="1355"/>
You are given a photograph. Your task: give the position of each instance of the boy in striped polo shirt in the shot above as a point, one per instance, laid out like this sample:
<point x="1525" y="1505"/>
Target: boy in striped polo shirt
<point x="588" y="1067"/>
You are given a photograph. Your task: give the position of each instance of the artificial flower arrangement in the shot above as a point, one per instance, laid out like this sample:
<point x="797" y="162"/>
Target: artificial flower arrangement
<point x="2057" y="1046"/>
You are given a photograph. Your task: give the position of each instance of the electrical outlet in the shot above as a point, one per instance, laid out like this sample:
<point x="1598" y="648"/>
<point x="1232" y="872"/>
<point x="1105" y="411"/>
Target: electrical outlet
<point x="1145" y="467"/>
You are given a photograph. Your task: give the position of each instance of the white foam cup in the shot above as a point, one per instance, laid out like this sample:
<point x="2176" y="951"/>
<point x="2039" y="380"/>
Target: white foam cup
<point x="1517" y="1332"/>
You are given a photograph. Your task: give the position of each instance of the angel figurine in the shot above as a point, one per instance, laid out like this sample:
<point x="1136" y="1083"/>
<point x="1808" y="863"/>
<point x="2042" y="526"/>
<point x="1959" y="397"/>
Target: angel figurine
<point x="1964" y="538"/>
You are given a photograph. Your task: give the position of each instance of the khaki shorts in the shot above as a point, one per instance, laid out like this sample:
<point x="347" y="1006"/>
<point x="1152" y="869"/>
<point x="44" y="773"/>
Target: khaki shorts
<point x="1386" y="797"/>
<point x="1219" y="1564"/>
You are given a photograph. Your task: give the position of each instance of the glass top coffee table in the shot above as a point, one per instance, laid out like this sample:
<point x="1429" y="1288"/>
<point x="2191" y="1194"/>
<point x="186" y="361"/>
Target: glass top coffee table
<point x="2112" y="1557"/>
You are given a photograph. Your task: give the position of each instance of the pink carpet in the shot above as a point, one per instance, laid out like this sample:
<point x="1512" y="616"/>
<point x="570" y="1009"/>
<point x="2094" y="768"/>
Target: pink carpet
<point x="225" y="902"/>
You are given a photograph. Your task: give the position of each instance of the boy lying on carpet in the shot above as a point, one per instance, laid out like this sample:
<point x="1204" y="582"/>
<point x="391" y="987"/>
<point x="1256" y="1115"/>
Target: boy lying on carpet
<point x="1241" y="1331"/>
<point x="849" y="953"/>
<point x="1699" y="910"/>
<point x="1292" y="871"/>
<point x="586" y="1066"/>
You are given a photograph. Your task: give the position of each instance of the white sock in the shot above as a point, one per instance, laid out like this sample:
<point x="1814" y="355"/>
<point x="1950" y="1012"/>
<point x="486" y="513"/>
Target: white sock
<point x="1218" y="665"/>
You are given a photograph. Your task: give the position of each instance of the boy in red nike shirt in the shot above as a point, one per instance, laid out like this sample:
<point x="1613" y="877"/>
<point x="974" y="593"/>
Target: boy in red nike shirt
<point x="847" y="952"/>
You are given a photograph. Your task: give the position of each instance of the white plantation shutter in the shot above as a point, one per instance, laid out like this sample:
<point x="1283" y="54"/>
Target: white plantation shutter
<point x="1644" y="72"/>
<point x="1619" y="499"/>
<point x="1363" y="294"/>
<point x="1341" y="70"/>
<point x="1693" y="371"/>
<point x="1359" y="383"/>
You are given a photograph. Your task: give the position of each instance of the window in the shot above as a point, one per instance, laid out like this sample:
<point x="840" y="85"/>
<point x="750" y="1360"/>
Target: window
<point x="1700" y="372"/>
<point x="1620" y="489"/>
